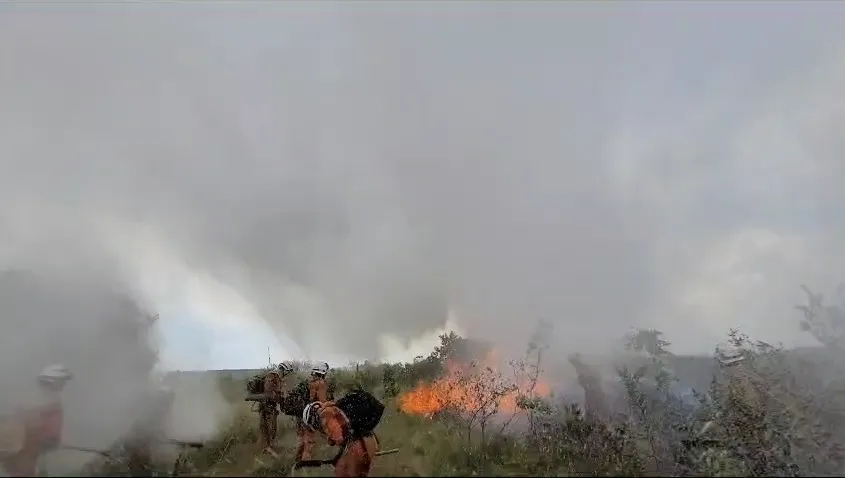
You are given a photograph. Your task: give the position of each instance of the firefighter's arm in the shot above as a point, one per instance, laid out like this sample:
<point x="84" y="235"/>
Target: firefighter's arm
<point x="312" y="391"/>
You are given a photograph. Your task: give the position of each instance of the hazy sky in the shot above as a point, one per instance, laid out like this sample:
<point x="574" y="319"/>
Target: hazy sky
<point x="342" y="173"/>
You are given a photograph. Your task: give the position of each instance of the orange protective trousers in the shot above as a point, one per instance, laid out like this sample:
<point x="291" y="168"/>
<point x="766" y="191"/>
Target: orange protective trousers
<point x="317" y="392"/>
<point x="358" y="458"/>
<point x="306" y="442"/>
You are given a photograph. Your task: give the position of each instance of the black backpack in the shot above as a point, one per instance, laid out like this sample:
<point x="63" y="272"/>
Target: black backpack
<point x="363" y="410"/>
<point x="255" y="385"/>
<point x="296" y="400"/>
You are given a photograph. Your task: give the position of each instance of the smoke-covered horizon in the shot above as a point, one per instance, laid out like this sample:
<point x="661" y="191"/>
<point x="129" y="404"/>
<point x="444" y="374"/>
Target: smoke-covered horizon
<point x="349" y="175"/>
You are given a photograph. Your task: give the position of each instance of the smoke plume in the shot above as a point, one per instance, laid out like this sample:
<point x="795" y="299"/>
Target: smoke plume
<point x="350" y="174"/>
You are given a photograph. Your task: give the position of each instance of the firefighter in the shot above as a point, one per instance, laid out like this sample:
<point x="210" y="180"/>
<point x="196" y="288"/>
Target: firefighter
<point x="318" y="391"/>
<point x="318" y="387"/>
<point x="357" y="450"/>
<point x="269" y="408"/>
<point x="43" y="423"/>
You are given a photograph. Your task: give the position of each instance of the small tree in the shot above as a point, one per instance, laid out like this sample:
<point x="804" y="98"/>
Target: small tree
<point x="825" y="323"/>
<point x="388" y="381"/>
<point x="527" y="373"/>
<point x="485" y="388"/>
<point x="649" y="341"/>
<point x="452" y="347"/>
<point x="651" y="407"/>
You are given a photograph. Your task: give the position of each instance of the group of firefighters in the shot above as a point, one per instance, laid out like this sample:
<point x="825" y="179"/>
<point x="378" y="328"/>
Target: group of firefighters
<point x="40" y="425"/>
<point x="275" y="389"/>
<point x="320" y="415"/>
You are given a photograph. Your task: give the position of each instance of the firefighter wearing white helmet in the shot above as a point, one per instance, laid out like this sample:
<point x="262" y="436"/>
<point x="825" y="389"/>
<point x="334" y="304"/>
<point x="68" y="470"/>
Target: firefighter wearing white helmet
<point x="285" y="368"/>
<point x="43" y="423"/>
<point x="269" y="408"/>
<point x="320" y="369"/>
<point x="51" y="382"/>
<point x="358" y="448"/>
<point x="318" y="387"/>
<point x="318" y="391"/>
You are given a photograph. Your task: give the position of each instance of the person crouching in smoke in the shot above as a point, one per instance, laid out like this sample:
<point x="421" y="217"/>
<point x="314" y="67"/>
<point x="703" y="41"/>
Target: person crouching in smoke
<point x="41" y="424"/>
<point x="318" y="391"/>
<point x="357" y="449"/>
<point x="268" y="411"/>
<point x="148" y="429"/>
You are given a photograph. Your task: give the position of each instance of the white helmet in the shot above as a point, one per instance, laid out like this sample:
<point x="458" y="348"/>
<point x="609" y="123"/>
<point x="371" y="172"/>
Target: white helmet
<point x="55" y="373"/>
<point x="285" y="368"/>
<point x="311" y="415"/>
<point x="320" y="369"/>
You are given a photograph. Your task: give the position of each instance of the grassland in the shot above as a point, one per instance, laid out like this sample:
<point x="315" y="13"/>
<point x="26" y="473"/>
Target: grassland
<point x="774" y="413"/>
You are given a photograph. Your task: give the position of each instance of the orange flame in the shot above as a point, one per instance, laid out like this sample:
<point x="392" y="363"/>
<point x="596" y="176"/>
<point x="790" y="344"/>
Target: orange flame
<point x="468" y="388"/>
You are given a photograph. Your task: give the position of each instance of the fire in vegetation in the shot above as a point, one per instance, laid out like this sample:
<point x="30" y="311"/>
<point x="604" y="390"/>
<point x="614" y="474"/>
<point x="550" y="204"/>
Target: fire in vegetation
<point x="468" y="387"/>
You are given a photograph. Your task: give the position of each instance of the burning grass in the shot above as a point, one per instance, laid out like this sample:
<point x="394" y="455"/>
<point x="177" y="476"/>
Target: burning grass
<point x="468" y="387"/>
